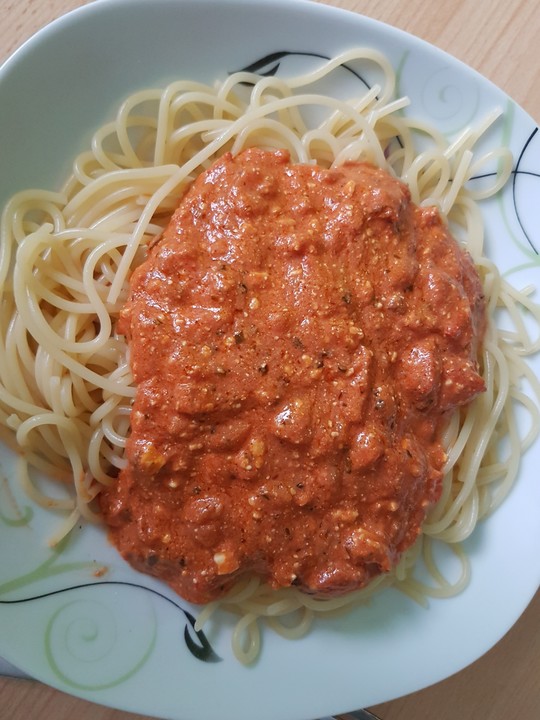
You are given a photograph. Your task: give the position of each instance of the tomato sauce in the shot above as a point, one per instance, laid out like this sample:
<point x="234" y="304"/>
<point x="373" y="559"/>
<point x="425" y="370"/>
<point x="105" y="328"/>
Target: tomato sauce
<point x="298" y="339"/>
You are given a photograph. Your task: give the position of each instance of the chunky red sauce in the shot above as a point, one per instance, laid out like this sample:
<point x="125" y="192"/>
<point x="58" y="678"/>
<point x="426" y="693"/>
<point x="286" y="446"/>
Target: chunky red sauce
<point x="298" y="337"/>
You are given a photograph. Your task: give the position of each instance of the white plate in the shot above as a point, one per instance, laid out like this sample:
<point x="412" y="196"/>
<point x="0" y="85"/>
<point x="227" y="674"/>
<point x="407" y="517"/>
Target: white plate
<point x="124" y="645"/>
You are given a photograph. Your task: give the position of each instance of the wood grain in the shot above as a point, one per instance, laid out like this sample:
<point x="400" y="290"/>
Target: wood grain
<point x="499" y="38"/>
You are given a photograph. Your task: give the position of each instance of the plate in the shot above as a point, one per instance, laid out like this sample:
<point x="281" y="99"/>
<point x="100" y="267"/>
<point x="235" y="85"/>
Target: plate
<point x="78" y="618"/>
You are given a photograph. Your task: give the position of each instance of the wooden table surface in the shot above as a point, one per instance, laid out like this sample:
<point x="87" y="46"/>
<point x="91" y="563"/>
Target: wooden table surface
<point x="500" y="39"/>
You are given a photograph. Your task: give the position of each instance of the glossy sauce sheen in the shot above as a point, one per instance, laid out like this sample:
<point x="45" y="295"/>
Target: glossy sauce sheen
<point x="298" y="338"/>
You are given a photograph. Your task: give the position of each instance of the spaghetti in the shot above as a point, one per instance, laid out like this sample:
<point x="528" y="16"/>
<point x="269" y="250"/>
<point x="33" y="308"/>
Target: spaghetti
<point x="66" y="259"/>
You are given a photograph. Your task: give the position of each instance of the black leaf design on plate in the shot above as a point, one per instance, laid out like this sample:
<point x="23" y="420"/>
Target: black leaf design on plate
<point x="200" y="647"/>
<point x="518" y="172"/>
